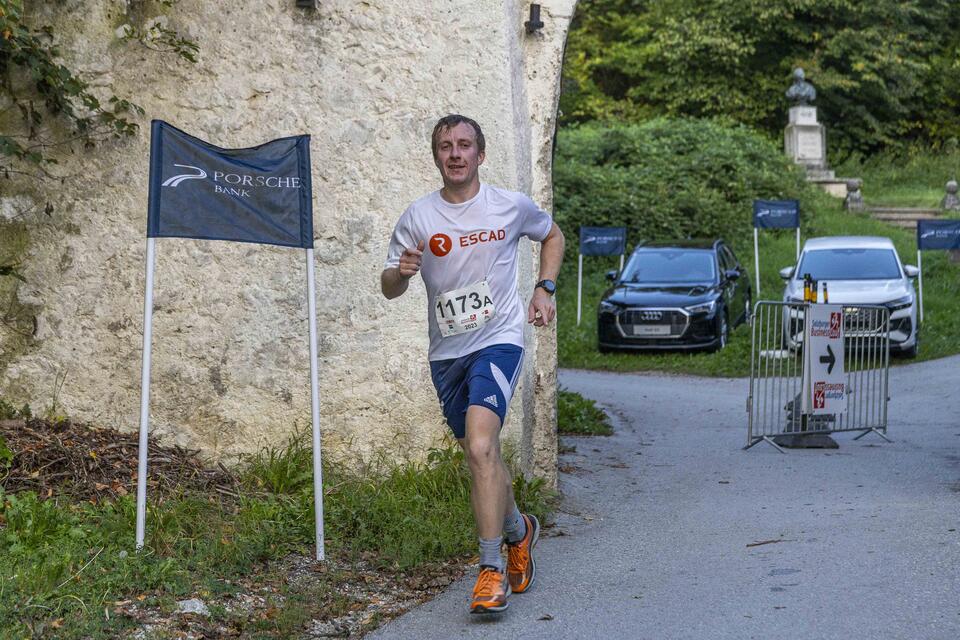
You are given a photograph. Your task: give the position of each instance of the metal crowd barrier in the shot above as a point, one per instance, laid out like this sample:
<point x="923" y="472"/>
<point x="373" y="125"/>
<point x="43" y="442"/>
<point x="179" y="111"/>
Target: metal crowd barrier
<point x="777" y="377"/>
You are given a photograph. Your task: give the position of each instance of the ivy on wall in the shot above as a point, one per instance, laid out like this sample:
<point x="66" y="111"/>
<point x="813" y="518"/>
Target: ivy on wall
<point x="54" y="105"/>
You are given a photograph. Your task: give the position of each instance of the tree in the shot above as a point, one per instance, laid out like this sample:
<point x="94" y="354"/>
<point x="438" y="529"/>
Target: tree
<point x="885" y="71"/>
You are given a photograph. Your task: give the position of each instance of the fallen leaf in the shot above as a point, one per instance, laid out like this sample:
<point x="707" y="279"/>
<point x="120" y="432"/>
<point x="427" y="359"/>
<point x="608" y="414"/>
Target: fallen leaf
<point x="545" y="616"/>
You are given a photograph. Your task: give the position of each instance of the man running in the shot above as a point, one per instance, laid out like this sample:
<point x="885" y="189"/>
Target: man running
<point x="464" y="238"/>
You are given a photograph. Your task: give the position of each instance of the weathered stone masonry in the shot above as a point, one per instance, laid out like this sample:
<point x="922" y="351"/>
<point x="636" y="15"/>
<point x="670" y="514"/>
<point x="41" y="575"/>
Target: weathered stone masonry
<point x="367" y="79"/>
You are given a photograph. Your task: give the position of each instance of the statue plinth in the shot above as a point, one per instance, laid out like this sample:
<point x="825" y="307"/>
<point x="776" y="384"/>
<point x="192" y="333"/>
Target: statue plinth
<point x="805" y="142"/>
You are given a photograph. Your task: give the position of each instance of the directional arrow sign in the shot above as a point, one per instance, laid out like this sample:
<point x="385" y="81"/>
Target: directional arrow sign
<point x="825" y="379"/>
<point x="829" y="359"/>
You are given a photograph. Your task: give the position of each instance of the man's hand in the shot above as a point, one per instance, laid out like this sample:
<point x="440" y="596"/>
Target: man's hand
<point x="394" y="281"/>
<point x="542" y="308"/>
<point x="410" y="261"/>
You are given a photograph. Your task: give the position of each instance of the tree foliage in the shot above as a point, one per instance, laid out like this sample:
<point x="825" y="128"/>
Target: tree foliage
<point x="37" y="85"/>
<point x="887" y="72"/>
<point x="668" y="178"/>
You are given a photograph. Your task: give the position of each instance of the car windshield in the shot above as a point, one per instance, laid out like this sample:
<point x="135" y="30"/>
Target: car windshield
<point x="681" y="266"/>
<point x="849" y="264"/>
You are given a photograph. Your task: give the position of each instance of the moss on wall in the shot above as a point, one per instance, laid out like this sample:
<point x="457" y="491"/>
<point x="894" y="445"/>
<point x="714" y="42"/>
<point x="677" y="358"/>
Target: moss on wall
<point x="17" y="320"/>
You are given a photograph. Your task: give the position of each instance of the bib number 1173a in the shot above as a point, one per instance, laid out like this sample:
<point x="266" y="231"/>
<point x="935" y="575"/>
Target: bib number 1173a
<point x="464" y="310"/>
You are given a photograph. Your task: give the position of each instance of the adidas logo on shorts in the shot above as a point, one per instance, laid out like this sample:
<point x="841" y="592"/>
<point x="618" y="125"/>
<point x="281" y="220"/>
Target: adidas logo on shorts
<point x="492" y="400"/>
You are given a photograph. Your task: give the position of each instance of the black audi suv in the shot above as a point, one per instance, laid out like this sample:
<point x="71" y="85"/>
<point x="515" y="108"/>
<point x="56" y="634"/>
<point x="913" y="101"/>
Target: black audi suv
<point x="687" y="294"/>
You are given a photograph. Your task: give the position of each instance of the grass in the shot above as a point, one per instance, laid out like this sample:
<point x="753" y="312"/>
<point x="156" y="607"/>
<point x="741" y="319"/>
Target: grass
<point x="64" y="564"/>
<point x="822" y="216"/>
<point x="578" y="416"/>
<point x="914" y="179"/>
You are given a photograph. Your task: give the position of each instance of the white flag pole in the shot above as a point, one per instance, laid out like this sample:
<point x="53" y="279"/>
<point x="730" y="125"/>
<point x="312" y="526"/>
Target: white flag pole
<point x="145" y="397"/>
<point x="756" y="261"/>
<point x="579" y="286"/>
<point x="920" y="275"/>
<point x="621" y="265"/>
<point x="798" y="243"/>
<point x="315" y="406"/>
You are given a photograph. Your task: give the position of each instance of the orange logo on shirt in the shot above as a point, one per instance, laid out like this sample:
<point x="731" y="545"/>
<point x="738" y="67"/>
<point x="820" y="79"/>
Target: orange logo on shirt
<point x="440" y="244"/>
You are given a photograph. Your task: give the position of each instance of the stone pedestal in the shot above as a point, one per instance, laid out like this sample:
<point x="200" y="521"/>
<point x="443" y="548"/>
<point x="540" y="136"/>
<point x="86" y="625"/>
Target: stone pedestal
<point x="951" y="201"/>
<point x="854" y="199"/>
<point x="805" y="142"/>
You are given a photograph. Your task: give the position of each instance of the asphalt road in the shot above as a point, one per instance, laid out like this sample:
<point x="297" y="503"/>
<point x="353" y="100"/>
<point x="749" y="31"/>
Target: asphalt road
<point x="657" y="524"/>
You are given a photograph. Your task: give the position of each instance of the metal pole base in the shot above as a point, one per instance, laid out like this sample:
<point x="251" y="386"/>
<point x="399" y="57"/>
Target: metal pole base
<point x="807" y="441"/>
<point x="768" y="440"/>
<point x="876" y="431"/>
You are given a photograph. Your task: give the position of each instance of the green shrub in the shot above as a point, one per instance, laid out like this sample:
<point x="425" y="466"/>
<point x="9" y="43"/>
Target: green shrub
<point x="578" y="416"/>
<point x="668" y="179"/>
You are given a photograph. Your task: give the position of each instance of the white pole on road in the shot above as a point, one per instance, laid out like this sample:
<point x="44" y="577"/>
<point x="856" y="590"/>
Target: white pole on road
<point x="315" y="408"/>
<point x="145" y="397"/>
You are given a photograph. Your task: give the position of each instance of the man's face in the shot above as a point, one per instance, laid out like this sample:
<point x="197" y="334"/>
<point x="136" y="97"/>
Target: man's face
<point x="458" y="157"/>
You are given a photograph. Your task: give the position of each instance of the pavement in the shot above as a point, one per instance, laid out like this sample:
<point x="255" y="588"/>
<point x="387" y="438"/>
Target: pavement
<point x="670" y="530"/>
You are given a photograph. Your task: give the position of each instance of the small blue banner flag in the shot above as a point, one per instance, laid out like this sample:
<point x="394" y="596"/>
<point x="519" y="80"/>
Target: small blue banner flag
<point x="260" y="194"/>
<point x="776" y="214"/>
<point x="938" y="234"/>
<point x="603" y="241"/>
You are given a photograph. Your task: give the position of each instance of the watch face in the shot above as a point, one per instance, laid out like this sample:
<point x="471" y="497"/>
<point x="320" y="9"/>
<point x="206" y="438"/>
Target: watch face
<point x="548" y="285"/>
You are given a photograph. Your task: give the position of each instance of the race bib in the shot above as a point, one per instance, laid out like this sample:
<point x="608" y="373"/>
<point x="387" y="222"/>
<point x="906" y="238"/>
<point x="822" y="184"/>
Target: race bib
<point x="465" y="309"/>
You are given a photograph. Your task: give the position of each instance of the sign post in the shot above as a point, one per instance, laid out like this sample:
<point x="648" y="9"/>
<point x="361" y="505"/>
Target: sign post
<point x="935" y="235"/>
<point x="773" y="214"/>
<point x="599" y="241"/>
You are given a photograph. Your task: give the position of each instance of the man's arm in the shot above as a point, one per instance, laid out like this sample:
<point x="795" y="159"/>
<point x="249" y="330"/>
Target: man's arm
<point x="543" y="307"/>
<point x="394" y="281"/>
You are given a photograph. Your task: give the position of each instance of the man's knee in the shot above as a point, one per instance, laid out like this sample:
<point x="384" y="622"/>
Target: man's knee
<point x="482" y="451"/>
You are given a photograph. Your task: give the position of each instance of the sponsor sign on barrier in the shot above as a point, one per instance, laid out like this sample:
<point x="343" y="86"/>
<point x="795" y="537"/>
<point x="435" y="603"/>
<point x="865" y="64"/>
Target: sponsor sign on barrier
<point x="826" y="375"/>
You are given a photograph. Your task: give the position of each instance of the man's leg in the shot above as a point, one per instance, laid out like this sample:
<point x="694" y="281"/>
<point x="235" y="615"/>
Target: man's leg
<point x="491" y="492"/>
<point x="488" y="496"/>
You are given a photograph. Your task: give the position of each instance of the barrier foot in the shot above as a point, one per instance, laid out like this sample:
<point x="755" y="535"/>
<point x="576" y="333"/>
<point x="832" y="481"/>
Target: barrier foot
<point x="876" y="431"/>
<point x="768" y="440"/>
<point x="806" y="440"/>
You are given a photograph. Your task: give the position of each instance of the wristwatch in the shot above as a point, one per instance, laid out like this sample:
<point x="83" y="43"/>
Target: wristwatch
<point x="547" y="285"/>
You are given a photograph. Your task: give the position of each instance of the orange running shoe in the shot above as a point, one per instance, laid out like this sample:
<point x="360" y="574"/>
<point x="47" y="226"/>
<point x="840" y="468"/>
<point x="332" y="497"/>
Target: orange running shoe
<point x="490" y="592"/>
<point x="521" y="567"/>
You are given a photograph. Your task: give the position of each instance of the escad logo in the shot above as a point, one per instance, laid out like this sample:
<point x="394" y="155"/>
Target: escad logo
<point x="177" y="179"/>
<point x="440" y="244"/>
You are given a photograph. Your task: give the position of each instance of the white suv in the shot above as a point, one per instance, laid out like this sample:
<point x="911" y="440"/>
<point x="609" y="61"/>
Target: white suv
<point x="858" y="270"/>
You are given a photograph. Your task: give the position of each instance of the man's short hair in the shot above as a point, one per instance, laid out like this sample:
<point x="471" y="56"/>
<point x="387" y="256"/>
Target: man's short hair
<point x="450" y="121"/>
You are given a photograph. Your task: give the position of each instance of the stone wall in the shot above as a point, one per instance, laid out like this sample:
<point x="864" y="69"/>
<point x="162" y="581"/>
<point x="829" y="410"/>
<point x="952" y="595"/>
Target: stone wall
<point x="230" y="361"/>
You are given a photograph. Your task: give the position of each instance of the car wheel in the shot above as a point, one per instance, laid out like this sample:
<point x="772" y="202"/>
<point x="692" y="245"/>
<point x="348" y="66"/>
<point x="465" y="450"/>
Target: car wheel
<point x="723" y="330"/>
<point x="748" y="312"/>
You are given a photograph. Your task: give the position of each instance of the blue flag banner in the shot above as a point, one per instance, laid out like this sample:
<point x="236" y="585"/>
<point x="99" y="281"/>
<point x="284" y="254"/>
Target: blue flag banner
<point x="260" y="194"/>
<point x="938" y="234"/>
<point x="603" y="241"/>
<point x="776" y="214"/>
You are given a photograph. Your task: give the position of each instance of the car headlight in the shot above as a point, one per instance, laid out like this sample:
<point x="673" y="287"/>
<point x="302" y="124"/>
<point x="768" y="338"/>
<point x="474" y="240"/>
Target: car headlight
<point x="608" y="307"/>
<point x="900" y="303"/>
<point x="706" y="307"/>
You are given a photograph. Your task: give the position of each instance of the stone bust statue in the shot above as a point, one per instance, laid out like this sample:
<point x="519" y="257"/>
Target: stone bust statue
<point x="801" y="93"/>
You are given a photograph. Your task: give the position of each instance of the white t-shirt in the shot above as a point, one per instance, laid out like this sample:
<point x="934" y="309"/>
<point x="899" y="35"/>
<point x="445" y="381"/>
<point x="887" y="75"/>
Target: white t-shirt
<point x="465" y="244"/>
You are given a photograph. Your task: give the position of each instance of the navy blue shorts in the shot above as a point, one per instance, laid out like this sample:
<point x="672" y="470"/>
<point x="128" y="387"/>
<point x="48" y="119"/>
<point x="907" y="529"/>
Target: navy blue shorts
<point x="485" y="378"/>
